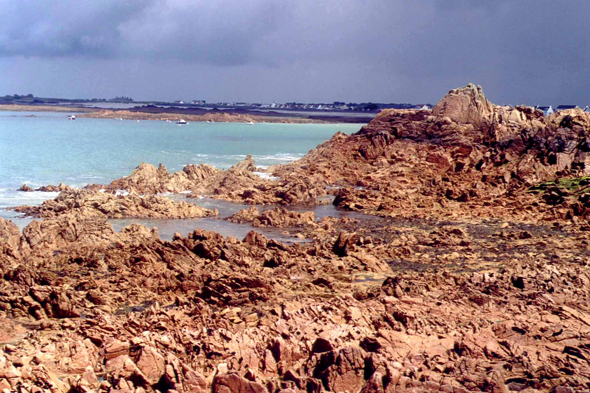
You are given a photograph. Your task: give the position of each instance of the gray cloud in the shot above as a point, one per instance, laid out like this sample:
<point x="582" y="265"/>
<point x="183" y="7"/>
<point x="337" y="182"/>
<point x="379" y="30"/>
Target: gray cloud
<point x="218" y="32"/>
<point x="526" y="51"/>
<point x="65" y="28"/>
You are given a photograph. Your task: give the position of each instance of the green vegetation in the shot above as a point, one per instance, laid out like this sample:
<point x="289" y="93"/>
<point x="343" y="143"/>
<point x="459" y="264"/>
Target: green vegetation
<point x="572" y="185"/>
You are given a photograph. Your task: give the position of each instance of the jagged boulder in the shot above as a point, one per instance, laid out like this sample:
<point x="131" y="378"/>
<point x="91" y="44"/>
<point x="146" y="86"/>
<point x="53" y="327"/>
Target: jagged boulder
<point x="54" y="234"/>
<point x="147" y="179"/>
<point x="10" y="238"/>
<point x="26" y="188"/>
<point x="466" y="105"/>
<point x="233" y="383"/>
<point x="247" y="165"/>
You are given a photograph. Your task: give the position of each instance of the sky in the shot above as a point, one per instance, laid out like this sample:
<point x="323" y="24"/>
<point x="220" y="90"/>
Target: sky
<point x="532" y="52"/>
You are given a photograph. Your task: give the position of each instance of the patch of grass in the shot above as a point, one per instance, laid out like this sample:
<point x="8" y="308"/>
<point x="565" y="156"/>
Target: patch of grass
<point x="569" y="184"/>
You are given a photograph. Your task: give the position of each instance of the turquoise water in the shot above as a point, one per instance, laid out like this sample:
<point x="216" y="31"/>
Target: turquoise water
<point x="46" y="148"/>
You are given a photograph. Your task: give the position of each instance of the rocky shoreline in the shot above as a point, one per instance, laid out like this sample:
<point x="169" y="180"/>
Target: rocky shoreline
<point x="467" y="272"/>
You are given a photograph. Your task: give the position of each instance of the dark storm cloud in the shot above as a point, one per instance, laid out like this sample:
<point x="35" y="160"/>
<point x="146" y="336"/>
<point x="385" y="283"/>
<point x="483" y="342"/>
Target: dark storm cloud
<point x="66" y="28"/>
<point x="526" y="51"/>
<point x="220" y="32"/>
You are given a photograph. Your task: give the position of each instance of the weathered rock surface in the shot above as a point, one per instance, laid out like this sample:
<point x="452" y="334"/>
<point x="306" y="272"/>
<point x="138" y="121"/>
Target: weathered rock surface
<point x="465" y="157"/>
<point x="466" y="105"/>
<point x="50" y="188"/>
<point x="89" y="203"/>
<point x="238" y="183"/>
<point x="147" y="179"/>
<point x="465" y="278"/>
<point x="266" y="316"/>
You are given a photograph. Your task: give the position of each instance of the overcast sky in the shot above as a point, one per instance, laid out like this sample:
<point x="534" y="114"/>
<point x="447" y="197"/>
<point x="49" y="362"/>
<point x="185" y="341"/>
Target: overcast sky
<point x="520" y="51"/>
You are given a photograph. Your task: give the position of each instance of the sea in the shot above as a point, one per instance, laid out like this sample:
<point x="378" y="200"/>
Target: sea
<point x="42" y="148"/>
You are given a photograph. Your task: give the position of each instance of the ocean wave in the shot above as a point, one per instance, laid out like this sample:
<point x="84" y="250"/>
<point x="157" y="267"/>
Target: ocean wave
<point x="224" y="161"/>
<point x="276" y="159"/>
<point x="29" y="195"/>
<point x="30" y="183"/>
<point x="11" y="198"/>
<point x="267" y="176"/>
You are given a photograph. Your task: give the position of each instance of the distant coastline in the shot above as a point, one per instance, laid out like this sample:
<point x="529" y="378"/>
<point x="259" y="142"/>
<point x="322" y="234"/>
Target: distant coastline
<point x="43" y="108"/>
<point x="193" y="114"/>
<point x="211" y="117"/>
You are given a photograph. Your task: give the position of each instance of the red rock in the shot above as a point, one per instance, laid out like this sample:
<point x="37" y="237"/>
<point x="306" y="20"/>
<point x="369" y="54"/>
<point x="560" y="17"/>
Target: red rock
<point x="151" y="364"/>
<point x="85" y="203"/>
<point x="116" y="348"/>
<point x="233" y="383"/>
<point x="26" y="188"/>
<point x="466" y="105"/>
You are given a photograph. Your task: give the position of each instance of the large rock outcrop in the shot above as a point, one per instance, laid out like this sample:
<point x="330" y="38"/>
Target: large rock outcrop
<point x="99" y="204"/>
<point x="238" y="183"/>
<point x="466" y="150"/>
<point x="147" y="179"/>
<point x="466" y="105"/>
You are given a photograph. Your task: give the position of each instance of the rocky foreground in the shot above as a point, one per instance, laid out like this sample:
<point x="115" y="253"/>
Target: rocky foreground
<point x="468" y="270"/>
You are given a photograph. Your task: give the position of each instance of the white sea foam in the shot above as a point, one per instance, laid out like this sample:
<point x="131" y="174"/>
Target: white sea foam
<point x="11" y="198"/>
<point x="224" y="161"/>
<point x="267" y="176"/>
<point x="279" y="158"/>
<point x="31" y="195"/>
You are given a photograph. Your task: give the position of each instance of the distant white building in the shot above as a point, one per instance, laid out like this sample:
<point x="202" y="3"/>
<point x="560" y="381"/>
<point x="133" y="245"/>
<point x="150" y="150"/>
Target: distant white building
<point x="564" y="107"/>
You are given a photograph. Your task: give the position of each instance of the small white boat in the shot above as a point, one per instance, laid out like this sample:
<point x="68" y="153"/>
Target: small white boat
<point x="72" y="117"/>
<point x="251" y="123"/>
<point x="181" y="121"/>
